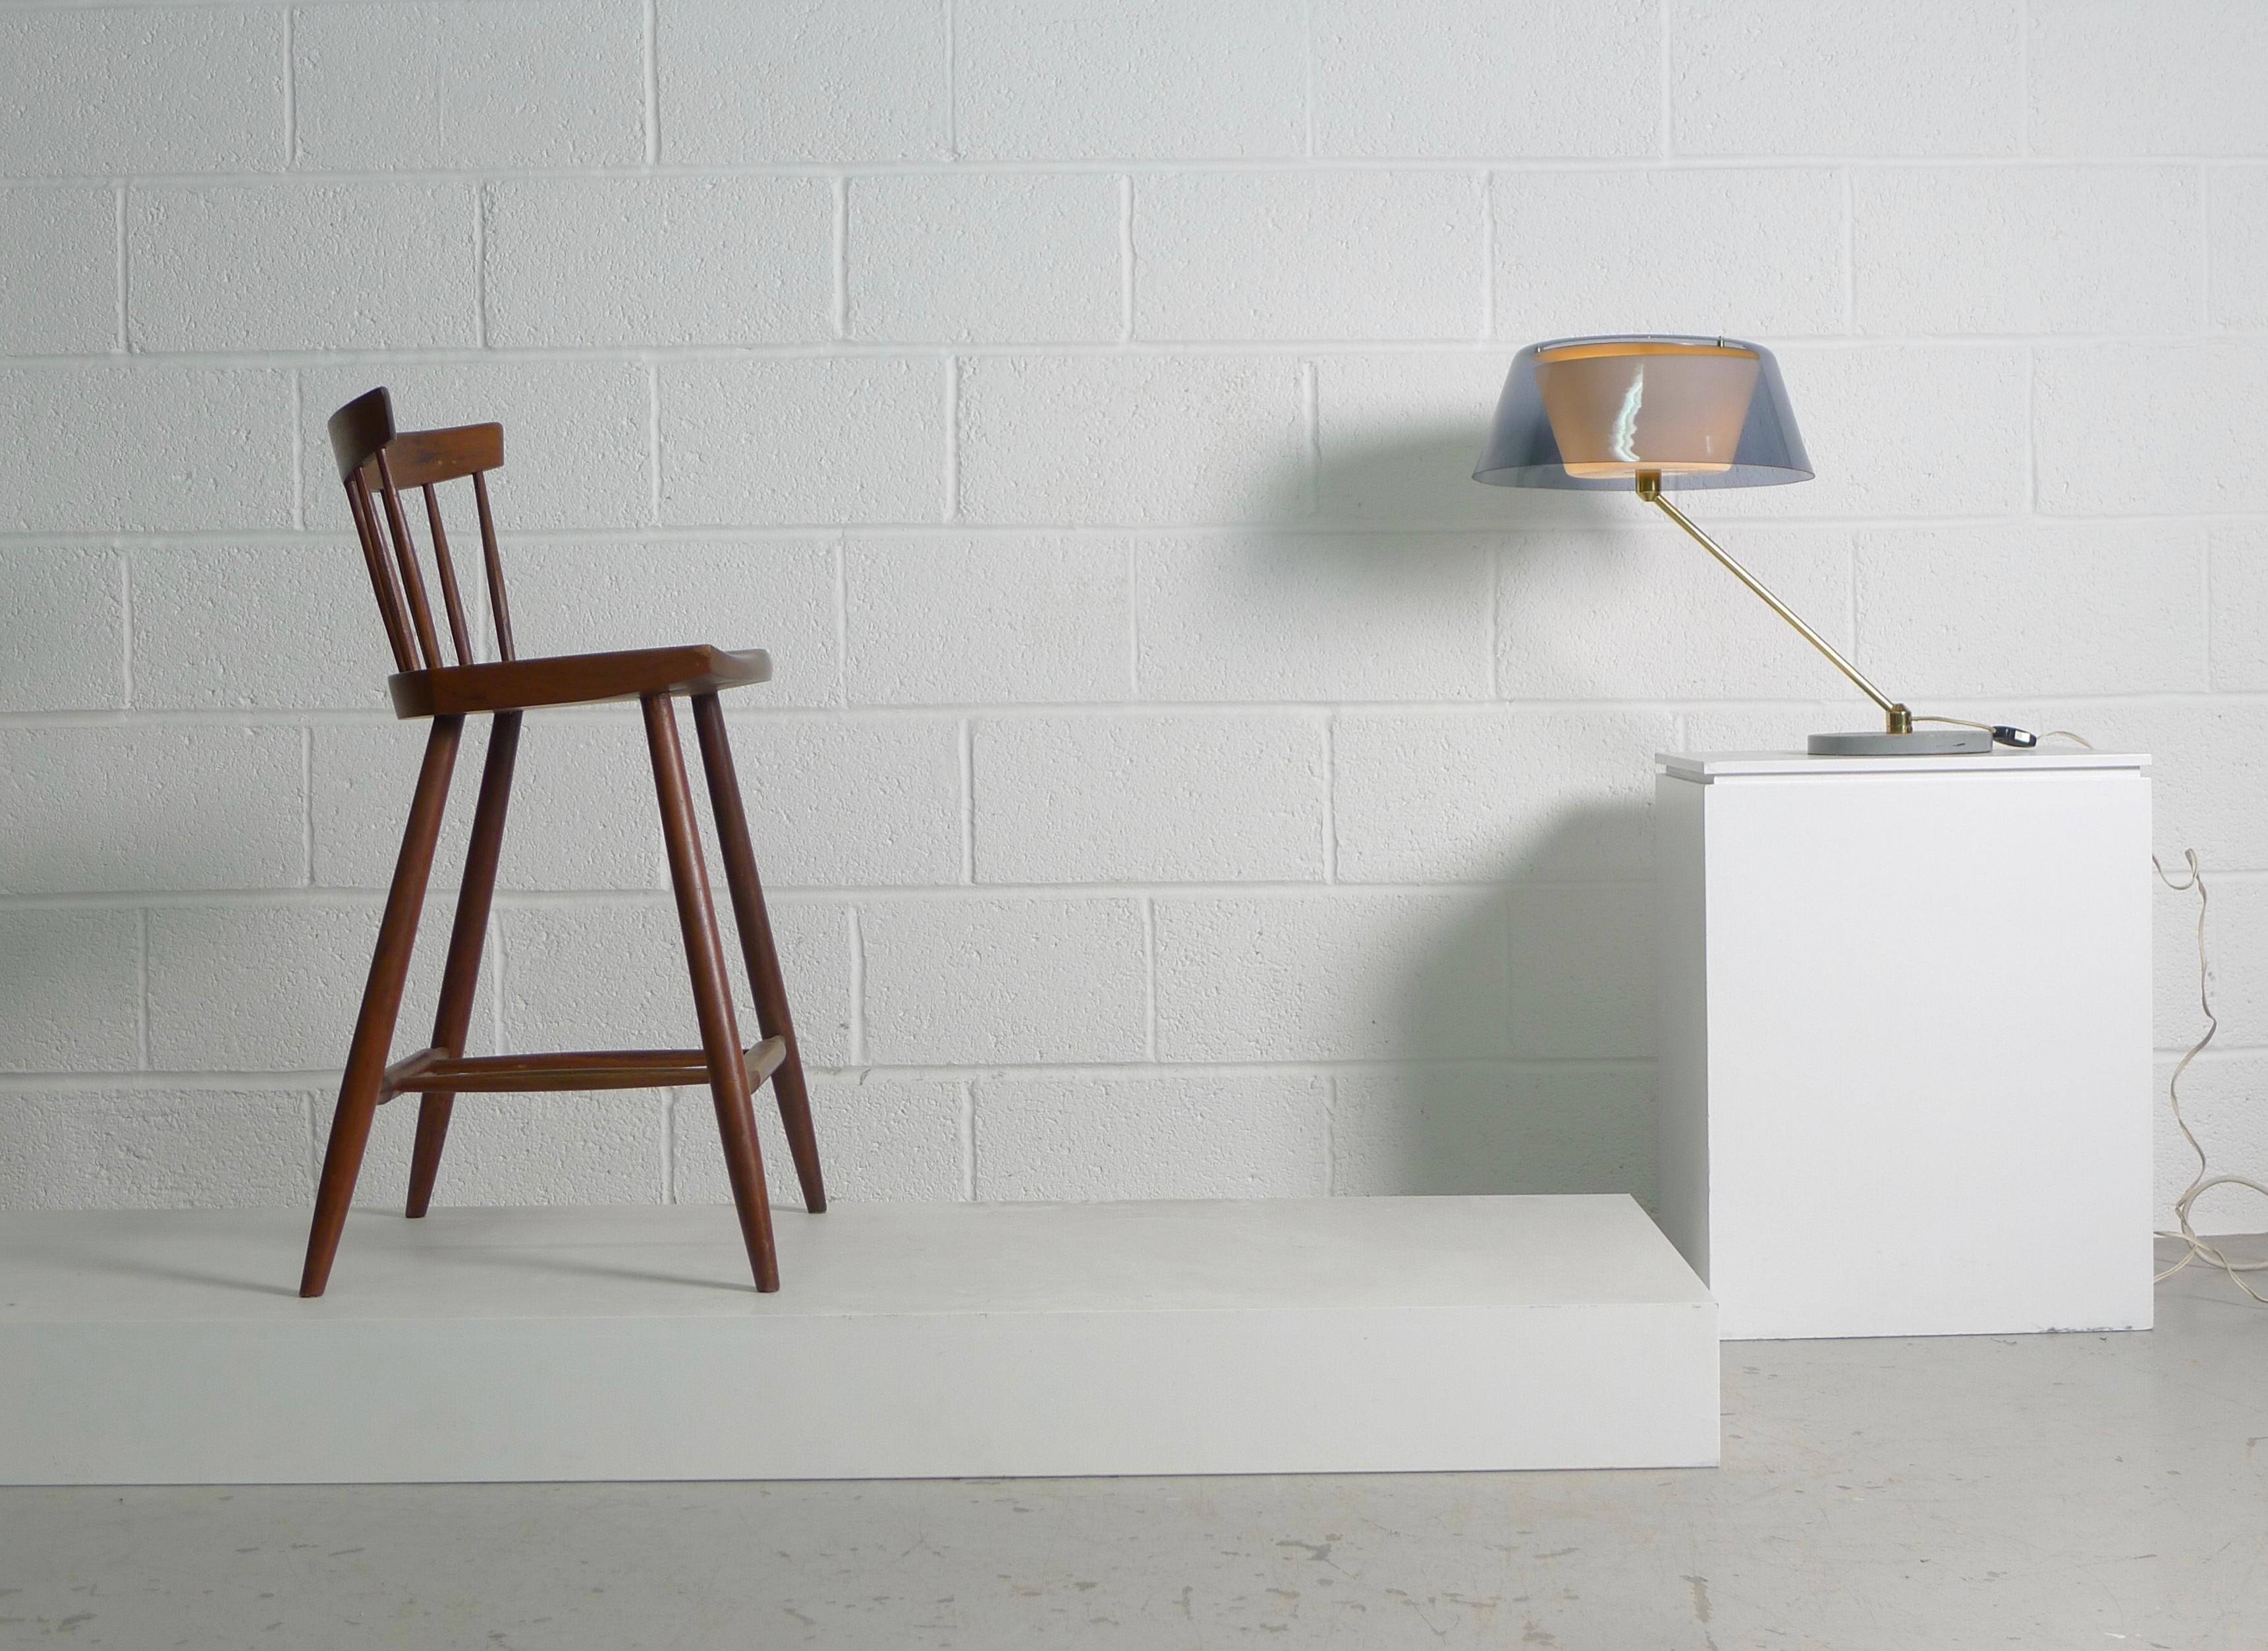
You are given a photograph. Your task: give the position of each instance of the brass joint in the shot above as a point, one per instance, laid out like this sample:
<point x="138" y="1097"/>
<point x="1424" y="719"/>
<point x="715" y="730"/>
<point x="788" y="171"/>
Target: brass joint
<point x="1900" y="719"/>
<point x="1649" y="485"/>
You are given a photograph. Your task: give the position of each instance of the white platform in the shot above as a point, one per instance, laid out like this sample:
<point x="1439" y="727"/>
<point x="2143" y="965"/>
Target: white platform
<point x="1904" y="1046"/>
<point x="1343" y="1335"/>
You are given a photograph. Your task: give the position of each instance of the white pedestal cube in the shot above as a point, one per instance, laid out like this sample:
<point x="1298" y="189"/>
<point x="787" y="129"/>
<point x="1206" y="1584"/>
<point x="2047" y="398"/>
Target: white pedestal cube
<point x="1905" y="1043"/>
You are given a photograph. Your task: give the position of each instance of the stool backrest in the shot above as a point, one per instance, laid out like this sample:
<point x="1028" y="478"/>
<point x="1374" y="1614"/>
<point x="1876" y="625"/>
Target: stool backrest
<point x="377" y="464"/>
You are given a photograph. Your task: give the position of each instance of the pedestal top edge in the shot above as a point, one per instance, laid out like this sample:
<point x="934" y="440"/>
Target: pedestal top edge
<point x="1703" y="766"/>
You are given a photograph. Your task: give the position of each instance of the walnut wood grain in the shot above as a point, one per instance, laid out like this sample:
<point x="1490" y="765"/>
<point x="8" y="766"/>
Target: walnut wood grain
<point x="421" y="458"/>
<point x="575" y="679"/>
<point x="756" y="945"/>
<point x="704" y="957"/>
<point x="467" y="937"/>
<point x="431" y="1072"/>
<point x="381" y="1004"/>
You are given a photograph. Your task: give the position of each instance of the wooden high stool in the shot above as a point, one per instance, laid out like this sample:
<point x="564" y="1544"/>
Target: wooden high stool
<point x="376" y="464"/>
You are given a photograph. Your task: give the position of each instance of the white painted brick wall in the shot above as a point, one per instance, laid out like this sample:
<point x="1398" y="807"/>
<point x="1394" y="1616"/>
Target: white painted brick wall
<point x="1341" y="976"/>
<point x="1394" y="438"/>
<point x="1313" y="616"/>
<point x="776" y="593"/>
<point x="59" y="267"/>
<point x="2023" y="250"/>
<point x="579" y="439"/>
<point x="454" y="87"/>
<point x="1002" y="980"/>
<point x="1583" y="971"/>
<point x="1185" y="1135"/>
<point x="2219" y="1099"/>
<point x="1149" y="799"/>
<point x="308" y="960"/>
<point x="1577" y="250"/>
<point x="1495" y="1127"/>
<point x="302" y="266"/>
<point x="89" y="93"/>
<point x="612" y="1146"/>
<point x="160" y="1147"/>
<point x="1131" y="439"/>
<point x="1681" y="629"/>
<point x="1906" y="430"/>
<point x="983" y="257"/>
<point x="2239" y="582"/>
<point x="218" y="627"/>
<point x="1796" y="77"/>
<point x="149" y="808"/>
<point x="1178" y="778"/>
<point x="1041" y="80"/>
<point x="80" y="448"/>
<point x="862" y="803"/>
<point x="2236" y="215"/>
<point x="1307" y="254"/>
<point x="1398" y="77"/>
<point x="581" y="814"/>
<point x="66" y="628"/>
<point x="854" y="80"/>
<point x="2070" y="609"/>
<point x="880" y="1139"/>
<point x="70" y="989"/>
<point x="958" y="620"/>
<point x="631" y="262"/>
<point x="857" y="438"/>
<point x="1440" y="796"/>
<point x="2174" y="79"/>
<point x="2129" y="429"/>
<point x="614" y="971"/>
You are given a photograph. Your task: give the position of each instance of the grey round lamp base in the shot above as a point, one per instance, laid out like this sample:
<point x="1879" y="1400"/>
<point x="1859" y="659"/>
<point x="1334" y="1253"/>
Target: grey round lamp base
<point x="1935" y="743"/>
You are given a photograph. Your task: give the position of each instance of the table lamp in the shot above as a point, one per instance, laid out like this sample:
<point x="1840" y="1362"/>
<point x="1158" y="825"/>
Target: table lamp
<point x="1658" y="412"/>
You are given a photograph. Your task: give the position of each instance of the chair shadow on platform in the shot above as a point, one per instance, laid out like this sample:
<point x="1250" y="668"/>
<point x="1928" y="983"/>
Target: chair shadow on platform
<point x="79" y="1260"/>
<point x="581" y="1267"/>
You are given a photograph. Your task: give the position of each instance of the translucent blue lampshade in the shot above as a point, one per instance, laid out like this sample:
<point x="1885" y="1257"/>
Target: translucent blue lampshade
<point x="1595" y="412"/>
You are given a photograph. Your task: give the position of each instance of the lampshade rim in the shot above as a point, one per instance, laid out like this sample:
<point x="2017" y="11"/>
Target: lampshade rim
<point x="1588" y="348"/>
<point x="1725" y="341"/>
<point x="1557" y="475"/>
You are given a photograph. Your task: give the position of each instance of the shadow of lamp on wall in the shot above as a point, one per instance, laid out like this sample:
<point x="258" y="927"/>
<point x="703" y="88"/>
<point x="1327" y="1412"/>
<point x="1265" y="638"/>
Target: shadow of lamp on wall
<point x="1659" y="413"/>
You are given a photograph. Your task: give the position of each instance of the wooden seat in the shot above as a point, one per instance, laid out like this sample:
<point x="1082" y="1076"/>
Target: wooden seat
<point x="574" y="678"/>
<point x="377" y="464"/>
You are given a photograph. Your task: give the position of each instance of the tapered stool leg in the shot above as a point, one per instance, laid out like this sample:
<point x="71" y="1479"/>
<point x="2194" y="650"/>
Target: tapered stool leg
<point x="468" y="937"/>
<point x="704" y="955"/>
<point x="756" y="945"/>
<point x="381" y="1004"/>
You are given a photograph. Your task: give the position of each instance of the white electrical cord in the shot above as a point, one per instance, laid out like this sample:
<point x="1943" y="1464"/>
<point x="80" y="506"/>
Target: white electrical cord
<point x="2194" y="1248"/>
<point x="1986" y="727"/>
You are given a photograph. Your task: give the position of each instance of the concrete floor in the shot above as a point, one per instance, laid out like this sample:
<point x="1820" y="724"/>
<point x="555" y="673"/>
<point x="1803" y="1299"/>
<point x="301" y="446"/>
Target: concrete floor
<point x="2040" y="1492"/>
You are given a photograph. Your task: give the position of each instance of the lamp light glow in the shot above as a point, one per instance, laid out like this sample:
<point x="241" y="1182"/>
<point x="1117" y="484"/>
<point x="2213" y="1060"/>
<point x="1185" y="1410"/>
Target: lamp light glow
<point x="1615" y="410"/>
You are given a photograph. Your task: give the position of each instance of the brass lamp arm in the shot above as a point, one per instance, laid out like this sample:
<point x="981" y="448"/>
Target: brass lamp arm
<point x="1649" y="489"/>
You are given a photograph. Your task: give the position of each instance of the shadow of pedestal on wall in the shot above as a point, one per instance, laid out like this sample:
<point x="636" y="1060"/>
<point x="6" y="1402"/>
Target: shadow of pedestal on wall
<point x="1562" y="1101"/>
<point x="1517" y="1056"/>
